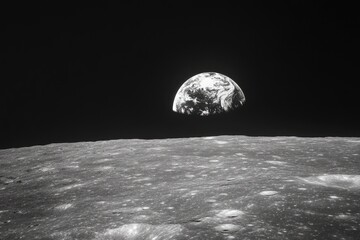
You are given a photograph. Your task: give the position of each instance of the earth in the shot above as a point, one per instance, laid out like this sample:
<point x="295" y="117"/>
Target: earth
<point x="214" y="188"/>
<point x="208" y="93"/>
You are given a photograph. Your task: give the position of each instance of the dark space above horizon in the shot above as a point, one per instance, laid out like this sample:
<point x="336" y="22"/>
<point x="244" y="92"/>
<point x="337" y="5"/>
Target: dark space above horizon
<point x="91" y="72"/>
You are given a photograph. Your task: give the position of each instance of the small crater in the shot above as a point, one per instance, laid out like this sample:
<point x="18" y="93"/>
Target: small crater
<point x="279" y="163"/>
<point x="196" y="220"/>
<point x="230" y="213"/>
<point x="268" y="193"/>
<point x="64" y="206"/>
<point x="230" y="179"/>
<point x="72" y="186"/>
<point x="227" y="228"/>
<point x="7" y="180"/>
<point x="46" y="169"/>
<point x="33" y="225"/>
<point x="127" y="210"/>
<point x="214" y="161"/>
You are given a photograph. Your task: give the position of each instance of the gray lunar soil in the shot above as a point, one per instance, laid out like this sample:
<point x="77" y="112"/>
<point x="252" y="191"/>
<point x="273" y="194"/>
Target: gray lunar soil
<point x="223" y="187"/>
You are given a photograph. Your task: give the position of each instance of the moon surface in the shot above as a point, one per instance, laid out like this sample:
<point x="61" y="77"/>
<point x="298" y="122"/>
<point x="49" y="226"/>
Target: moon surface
<point x="208" y="93"/>
<point x="221" y="187"/>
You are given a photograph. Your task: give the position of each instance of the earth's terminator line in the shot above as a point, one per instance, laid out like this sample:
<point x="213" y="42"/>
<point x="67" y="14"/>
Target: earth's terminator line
<point x="208" y="93"/>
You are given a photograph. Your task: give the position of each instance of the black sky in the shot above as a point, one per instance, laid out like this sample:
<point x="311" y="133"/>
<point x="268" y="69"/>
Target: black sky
<point x="80" y="72"/>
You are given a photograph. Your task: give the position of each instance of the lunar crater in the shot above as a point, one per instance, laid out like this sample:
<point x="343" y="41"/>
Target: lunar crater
<point x="343" y="181"/>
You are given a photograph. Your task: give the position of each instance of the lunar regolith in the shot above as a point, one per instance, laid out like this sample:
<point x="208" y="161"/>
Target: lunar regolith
<point x="223" y="187"/>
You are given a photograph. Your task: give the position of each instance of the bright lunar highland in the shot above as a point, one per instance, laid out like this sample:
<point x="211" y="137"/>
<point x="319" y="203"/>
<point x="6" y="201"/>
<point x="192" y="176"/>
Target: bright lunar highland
<point x="208" y="93"/>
